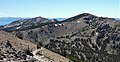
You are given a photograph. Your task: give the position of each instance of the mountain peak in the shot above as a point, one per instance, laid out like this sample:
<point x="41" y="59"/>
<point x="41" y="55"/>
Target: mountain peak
<point x="85" y="14"/>
<point x="80" y="16"/>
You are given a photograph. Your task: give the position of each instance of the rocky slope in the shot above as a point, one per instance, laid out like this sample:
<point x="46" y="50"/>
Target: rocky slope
<point x="85" y="36"/>
<point x="13" y="49"/>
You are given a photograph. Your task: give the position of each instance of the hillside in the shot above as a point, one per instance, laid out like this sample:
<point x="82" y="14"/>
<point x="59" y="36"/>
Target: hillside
<point x="15" y="49"/>
<point x="28" y="23"/>
<point x="84" y="36"/>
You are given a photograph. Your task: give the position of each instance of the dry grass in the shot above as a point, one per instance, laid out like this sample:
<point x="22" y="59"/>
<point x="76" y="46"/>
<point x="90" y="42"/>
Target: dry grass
<point x="16" y="42"/>
<point x="53" y="56"/>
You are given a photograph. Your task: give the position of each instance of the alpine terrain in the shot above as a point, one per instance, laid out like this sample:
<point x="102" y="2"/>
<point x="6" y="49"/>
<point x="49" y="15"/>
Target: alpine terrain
<point x="81" y="38"/>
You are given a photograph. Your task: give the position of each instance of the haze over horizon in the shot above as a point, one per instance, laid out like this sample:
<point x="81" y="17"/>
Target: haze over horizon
<point x="61" y="8"/>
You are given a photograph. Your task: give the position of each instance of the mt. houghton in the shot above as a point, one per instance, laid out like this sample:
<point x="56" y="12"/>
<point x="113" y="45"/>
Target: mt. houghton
<point x="81" y="38"/>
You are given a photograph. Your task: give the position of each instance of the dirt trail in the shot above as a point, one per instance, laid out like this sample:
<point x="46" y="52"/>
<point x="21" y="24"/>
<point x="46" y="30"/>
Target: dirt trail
<point x="45" y="54"/>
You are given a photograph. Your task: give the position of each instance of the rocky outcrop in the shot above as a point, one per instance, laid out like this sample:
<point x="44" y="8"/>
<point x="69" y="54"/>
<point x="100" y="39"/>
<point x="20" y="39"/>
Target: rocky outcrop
<point x="15" y="49"/>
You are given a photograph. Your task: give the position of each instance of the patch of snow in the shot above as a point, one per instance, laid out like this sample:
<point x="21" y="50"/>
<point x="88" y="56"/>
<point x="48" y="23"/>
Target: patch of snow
<point x="18" y="27"/>
<point x="59" y="24"/>
<point x="78" y="21"/>
<point x="90" y="20"/>
<point x="56" y="25"/>
<point x="5" y="26"/>
<point x="96" y="33"/>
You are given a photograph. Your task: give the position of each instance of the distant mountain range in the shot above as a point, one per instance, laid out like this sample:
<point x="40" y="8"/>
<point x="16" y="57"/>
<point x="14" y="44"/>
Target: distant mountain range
<point x="117" y="19"/>
<point x="7" y="20"/>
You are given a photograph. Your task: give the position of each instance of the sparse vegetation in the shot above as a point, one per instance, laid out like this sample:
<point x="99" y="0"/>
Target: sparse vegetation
<point x="94" y="39"/>
<point x="74" y="59"/>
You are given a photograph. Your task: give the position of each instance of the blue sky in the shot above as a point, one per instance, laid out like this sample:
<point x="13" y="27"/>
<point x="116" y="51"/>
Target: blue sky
<point x="59" y="8"/>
